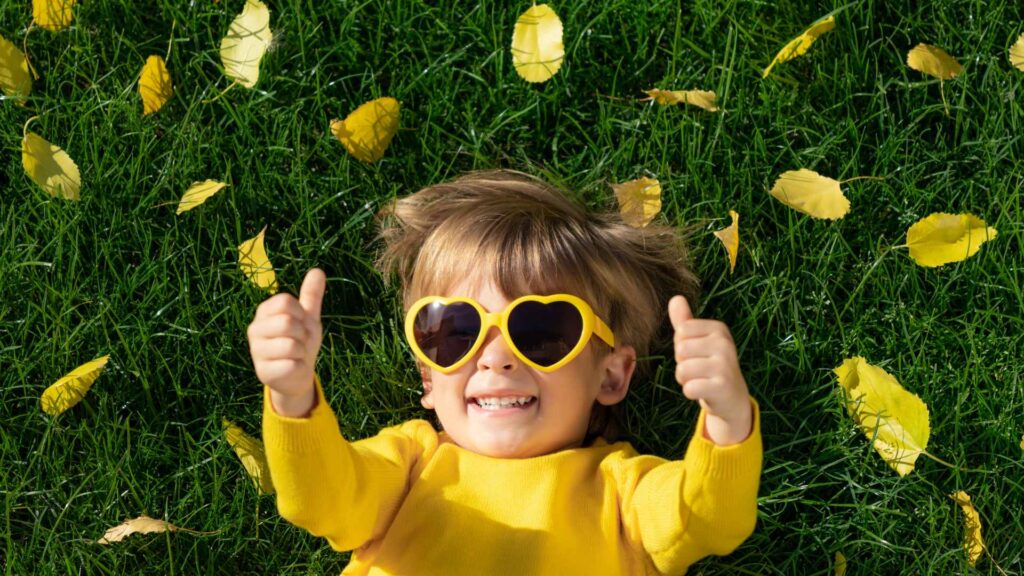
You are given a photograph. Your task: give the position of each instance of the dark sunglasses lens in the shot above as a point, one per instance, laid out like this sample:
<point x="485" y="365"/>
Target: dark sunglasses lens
<point x="446" y="332"/>
<point x="545" y="333"/>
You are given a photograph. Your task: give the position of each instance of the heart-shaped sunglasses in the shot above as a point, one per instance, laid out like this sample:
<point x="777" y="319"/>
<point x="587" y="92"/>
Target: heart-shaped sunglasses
<point x="545" y="332"/>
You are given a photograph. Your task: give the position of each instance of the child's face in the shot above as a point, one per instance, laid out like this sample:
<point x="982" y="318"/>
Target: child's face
<point x="558" y="416"/>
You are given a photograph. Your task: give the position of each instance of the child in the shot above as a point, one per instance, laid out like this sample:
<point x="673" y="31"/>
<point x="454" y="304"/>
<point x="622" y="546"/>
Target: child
<point x="526" y="316"/>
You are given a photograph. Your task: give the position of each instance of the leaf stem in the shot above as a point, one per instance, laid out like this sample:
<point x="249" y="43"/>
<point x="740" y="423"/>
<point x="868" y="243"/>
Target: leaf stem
<point x="24" y="49"/>
<point x="942" y="91"/>
<point x="24" y="129"/>
<point x="862" y="178"/>
<point x="170" y="42"/>
<point x="948" y="465"/>
<point x="218" y="96"/>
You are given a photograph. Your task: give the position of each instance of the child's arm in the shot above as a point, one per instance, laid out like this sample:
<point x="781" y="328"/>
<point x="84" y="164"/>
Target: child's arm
<point x="345" y="492"/>
<point x="706" y="503"/>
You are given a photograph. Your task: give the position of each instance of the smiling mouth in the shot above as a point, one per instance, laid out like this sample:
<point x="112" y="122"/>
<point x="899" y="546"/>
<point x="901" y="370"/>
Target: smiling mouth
<point x="504" y="403"/>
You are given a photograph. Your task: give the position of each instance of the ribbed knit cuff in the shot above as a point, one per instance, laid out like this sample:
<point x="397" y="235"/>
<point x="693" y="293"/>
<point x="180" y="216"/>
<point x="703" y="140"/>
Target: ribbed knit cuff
<point x="300" y="434"/>
<point x="708" y="459"/>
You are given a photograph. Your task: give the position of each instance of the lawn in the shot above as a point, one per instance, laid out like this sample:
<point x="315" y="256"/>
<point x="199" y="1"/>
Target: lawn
<point x="120" y="273"/>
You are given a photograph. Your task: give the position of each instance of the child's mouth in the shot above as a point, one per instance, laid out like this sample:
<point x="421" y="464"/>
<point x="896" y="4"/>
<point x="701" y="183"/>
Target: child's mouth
<point x="506" y="405"/>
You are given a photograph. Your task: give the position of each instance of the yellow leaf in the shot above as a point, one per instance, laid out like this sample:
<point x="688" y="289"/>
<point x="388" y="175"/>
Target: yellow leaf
<point x="639" y="200"/>
<point x="730" y="238"/>
<point x="247" y="40"/>
<point x="1017" y="53"/>
<point x="14" y="77"/>
<point x="537" y="49"/>
<point x="973" y="544"/>
<point x="253" y="260"/>
<point x="811" y="193"/>
<point x="367" y="132"/>
<point x="197" y="193"/>
<point x="798" y="46"/>
<point x="933" y="61"/>
<point x="250" y="452"/>
<point x="895" y="419"/>
<point x="1022" y="442"/>
<point x="50" y="167"/>
<point x="840" y="564"/>
<point x="52" y="14"/>
<point x="70" y="389"/>
<point x="942" y="238"/>
<point x="701" y="98"/>
<point x="143" y="525"/>
<point x="155" y="85"/>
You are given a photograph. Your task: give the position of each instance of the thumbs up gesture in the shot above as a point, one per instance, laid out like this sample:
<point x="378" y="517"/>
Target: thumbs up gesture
<point x="708" y="370"/>
<point x="284" y="340"/>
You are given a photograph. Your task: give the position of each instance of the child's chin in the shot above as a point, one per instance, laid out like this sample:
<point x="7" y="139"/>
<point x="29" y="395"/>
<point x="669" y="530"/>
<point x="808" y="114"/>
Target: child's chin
<point x="502" y="446"/>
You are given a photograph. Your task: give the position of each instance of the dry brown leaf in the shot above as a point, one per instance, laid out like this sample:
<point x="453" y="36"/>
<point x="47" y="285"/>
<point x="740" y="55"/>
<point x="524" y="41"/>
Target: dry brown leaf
<point x="639" y="200"/>
<point x="143" y="525"/>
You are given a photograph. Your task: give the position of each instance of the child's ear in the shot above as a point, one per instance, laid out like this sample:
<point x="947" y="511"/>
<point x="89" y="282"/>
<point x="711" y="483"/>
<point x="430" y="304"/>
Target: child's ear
<point x="427" y="400"/>
<point x="617" y="368"/>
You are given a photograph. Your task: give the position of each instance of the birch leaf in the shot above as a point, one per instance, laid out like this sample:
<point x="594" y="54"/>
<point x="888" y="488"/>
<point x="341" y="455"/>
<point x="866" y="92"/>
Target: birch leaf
<point x="840" y="564"/>
<point x="247" y="41"/>
<point x="367" y="131"/>
<point x="1017" y="53"/>
<point x="50" y="167"/>
<point x="933" y="61"/>
<point x="14" y="76"/>
<point x="253" y="260"/>
<point x="798" y="46"/>
<point x="537" y="48"/>
<point x="730" y="237"/>
<point x="639" y="200"/>
<point x="250" y="451"/>
<point x="811" y="193"/>
<point x="973" y="544"/>
<point x="942" y="238"/>
<point x="701" y="98"/>
<point x="895" y="419"/>
<point x="155" y="85"/>
<point x="71" y="388"/>
<point x="143" y="525"/>
<point x="52" y="15"/>
<point x="198" y="193"/>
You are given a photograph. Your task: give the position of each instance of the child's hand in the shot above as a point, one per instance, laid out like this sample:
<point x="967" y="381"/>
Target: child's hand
<point x="708" y="371"/>
<point x="284" y="340"/>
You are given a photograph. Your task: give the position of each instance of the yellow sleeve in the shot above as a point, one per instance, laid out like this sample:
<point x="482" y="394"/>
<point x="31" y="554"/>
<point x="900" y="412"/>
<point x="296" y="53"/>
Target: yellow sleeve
<point x="345" y="492"/>
<point x="704" y="504"/>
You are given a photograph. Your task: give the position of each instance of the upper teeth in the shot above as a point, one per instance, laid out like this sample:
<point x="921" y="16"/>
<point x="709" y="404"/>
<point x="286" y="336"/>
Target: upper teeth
<point x="503" y="401"/>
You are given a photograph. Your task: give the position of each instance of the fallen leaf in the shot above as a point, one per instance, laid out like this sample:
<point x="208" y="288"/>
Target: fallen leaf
<point x="250" y="452"/>
<point x="143" y="525"/>
<point x="247" y="41"/>
<point x="973" y="544"/>
<point x="49" y="166"/>
<point x="537" y="48"/>
<point x="933" y="61"/>
<point x="639" y="200"/>
<point x="798" y="46"/>
<point x="1022" y="442"/>
<point x="941" y="238"/>
<point x="52" y="15"/>
<point x="14" y="76"/>
<point x="730" y="237"/>
<point x="840" y="564"/>
<point x="367" y="131"/>
<point x="811" y="193"/>
<point x="895" y="419"/>
<point x="701" y="98"/>
<point x="1017" y="53"/>
<point x="198" y="193"/>
<point x="253" y="260"/>
<point x="155" y="85"/>
<point x="71" y="388"/>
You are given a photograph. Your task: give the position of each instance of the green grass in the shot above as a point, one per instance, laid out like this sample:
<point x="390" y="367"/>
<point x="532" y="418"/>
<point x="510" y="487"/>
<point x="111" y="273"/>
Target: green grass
<point x="119" y="273"/>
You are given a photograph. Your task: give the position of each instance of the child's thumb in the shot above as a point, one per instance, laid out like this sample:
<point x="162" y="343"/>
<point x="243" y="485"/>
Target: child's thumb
<point x="311" y="295"/>
<point x="679" y="311"/>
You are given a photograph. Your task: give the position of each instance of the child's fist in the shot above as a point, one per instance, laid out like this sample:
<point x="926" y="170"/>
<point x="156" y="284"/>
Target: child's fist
<point x="708" y="370"/>
<point x="284" y="339"/>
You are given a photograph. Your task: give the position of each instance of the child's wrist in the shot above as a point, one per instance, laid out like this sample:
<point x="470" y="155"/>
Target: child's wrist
<point x="294" y="406"/>
<point x="731" y="429"/>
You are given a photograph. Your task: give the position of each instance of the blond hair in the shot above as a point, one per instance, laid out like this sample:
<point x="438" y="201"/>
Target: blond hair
<point x="530" y="238"/>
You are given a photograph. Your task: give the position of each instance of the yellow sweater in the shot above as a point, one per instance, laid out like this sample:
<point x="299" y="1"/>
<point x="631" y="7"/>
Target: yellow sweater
<point x="409" y="501"/>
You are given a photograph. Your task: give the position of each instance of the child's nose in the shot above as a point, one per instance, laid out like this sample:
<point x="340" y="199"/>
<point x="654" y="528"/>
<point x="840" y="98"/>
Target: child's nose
<point x="495" y="353"/>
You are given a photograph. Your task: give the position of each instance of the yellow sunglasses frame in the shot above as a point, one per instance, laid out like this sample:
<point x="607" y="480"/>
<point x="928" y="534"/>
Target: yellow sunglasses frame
<point x="592" y="325"/>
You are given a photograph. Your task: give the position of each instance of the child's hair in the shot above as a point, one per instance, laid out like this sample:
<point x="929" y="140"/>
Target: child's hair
<point x="530" y="238"/>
